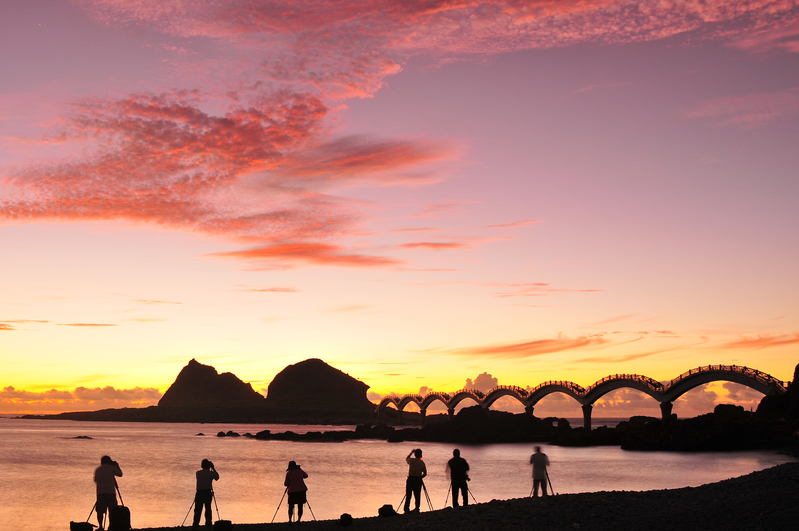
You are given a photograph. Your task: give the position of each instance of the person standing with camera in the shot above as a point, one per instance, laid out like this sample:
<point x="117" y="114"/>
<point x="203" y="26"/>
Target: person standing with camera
<point x="417" y="470"/>
<point x="205" y="493"/>
<point x="105" y="478"/>
<point x="296" y="489"/>
<point x="458" y="468"/>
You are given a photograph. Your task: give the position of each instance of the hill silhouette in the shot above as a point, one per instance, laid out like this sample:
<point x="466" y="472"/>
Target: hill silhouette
<point x="199" y="385"/>
<point x="314" y="386"/>
<point x="308" y="392"/>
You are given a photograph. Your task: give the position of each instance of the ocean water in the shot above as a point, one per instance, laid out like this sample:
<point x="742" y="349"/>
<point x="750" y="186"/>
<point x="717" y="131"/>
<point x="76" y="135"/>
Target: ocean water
<point x="47" y="473"/>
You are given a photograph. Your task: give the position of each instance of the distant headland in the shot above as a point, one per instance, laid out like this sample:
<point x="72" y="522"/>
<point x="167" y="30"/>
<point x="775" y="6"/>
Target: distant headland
<point x="308" y="392"/>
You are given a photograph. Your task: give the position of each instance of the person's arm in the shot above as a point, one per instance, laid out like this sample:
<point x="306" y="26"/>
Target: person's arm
<point x="286" y="481"/>
<point x="215" y="474"/>
<point x="304" y="474"/>
<point x="118" y="471"/>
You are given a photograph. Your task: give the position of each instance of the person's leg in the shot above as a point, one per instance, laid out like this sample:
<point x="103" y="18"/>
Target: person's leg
<point x="198" y="510"/>
<point x="544" y="488"/>
<point x="465" y="493"/>
<point x="417" y="493"/>
<point x="536" y="482"/>
<point x="209" y="514"/>
<point x="291" y="511"/>
<point x="454" y="494"/>
<point x="101" y="509"/>
<point x="408" y="492"/>
<point x="299" y="511"/>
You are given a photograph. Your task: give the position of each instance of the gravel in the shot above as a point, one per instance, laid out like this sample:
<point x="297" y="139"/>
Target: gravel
<point x="765" y="500"/>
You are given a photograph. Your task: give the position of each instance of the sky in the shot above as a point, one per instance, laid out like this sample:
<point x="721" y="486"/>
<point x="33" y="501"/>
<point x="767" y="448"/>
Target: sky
<point x="427" y="195"/>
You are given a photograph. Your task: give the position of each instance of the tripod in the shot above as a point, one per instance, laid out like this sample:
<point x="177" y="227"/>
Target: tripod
<point x="213" y="496"/>
<point x="279" y="504"/>
<point x="429" y="503"/>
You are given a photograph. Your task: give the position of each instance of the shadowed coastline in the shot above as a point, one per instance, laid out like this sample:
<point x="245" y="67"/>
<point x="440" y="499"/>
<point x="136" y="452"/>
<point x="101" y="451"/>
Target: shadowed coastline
<point x="760" y="500"/>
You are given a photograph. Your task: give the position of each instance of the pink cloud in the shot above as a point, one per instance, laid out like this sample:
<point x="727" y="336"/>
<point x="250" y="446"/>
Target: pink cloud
<point x="268" y="290"/>
<point x="436" y="246"/>
<point x="310" y="253"/>
<point x="4" y="326"/>
<point x="749" y="111"/>
<point x="763" y="341"/>
<point x="514" y="224"/>
<point x="259" y="168"/>
<point x="87" y="325"/>
<point x="538" y="289"/>
<point x="529" y="349"/>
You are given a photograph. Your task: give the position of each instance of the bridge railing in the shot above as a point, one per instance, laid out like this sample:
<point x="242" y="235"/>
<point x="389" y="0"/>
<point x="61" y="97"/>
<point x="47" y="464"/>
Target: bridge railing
<point x="521" y="390"/>
<point x="560" y="383"/>
<point x="760" y="376"/>
<point x="646" y="380"/>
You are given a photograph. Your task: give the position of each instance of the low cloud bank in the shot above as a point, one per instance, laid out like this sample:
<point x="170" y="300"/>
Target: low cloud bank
<point x="19" y="402"/>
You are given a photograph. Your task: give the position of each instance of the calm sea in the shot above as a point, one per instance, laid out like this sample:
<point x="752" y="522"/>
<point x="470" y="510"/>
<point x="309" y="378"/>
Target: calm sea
<point x="46" y="472"/>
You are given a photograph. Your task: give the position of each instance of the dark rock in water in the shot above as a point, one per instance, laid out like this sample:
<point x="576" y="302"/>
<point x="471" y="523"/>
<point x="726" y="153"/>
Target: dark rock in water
<point x="200" y="385"/>
<point x="83" y="437"/>
<point x="201" y="434"/>
<point x="229" y="433"/>
<point x="314" y="386"/>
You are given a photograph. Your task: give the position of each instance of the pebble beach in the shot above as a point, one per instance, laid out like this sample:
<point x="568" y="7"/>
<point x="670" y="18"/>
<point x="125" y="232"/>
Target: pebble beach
<point x="764" y="500"/>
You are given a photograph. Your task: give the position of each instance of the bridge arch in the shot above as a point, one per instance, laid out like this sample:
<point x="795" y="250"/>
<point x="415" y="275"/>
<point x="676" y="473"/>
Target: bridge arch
<point x="464" y="394"/>
<point x="638" y="382"/>
<point x="512" y="391"/>
<point x="752" y="378"/>
<point x="554" y="386"/>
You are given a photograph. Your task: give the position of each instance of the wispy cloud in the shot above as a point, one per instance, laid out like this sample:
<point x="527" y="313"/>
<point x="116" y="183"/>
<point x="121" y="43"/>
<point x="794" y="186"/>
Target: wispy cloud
<point x="310" y="254"/>
<point x="267" y="290"/>
<point x="349" y="309"/>
<point x="749" y="111"/>
<point x="763" y="341"/>
<point x="5" y="326"/>
<point x="527" y="349"/>
<point x="154" y="301"/>
<point x="87" y="325"/>
<point x="435" y="246"/>
<point x="537" y="289"/>
<point x="514" y="224"/>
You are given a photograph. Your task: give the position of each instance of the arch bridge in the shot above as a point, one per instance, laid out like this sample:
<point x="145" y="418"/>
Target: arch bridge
<point x="665" y="393"/>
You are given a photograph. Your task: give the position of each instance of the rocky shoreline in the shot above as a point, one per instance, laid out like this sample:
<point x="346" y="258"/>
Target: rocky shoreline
<point x="764" y="500"/>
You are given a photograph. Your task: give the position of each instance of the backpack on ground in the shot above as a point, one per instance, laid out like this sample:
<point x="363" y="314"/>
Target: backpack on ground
<point x="386" y="510"/>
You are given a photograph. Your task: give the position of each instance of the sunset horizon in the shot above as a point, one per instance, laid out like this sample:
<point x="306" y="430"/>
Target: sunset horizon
<point x="427" y="196"/>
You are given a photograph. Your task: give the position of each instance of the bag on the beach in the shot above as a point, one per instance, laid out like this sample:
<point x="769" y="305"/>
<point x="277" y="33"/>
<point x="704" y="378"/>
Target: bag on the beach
<point x="223" y="525"/>
<point x="81" y="526"/>
<point x="119" y="518"/>
<point x="386" y="510"/>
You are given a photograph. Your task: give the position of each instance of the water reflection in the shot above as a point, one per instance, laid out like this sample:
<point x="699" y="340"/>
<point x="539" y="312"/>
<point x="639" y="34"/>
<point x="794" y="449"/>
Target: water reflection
<point x="43" y="459"/>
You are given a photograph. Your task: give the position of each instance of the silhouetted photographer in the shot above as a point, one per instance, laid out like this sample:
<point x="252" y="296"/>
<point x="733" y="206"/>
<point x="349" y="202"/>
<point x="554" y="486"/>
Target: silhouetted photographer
<point x="458" y="475"/>
<point x="540" y="462"/>
<point x="105" y="478"/>
<point x="295" y="486"/>
<point x="205" y="493"/>
<point x="417" y="470"/>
